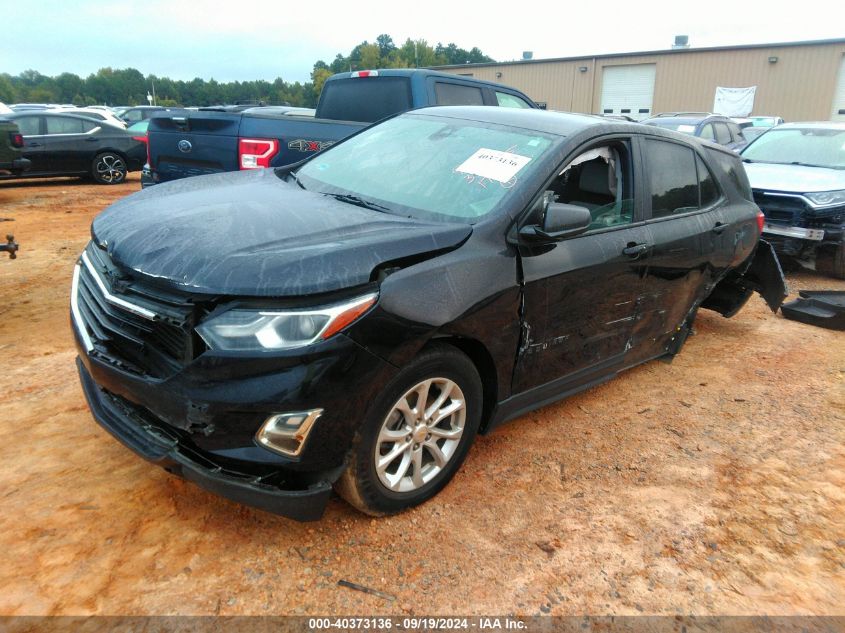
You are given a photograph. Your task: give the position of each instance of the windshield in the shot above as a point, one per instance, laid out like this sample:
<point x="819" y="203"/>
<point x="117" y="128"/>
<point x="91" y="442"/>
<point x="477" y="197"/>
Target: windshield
<point x="428" y="167"/>
<point x="819" y="147"/>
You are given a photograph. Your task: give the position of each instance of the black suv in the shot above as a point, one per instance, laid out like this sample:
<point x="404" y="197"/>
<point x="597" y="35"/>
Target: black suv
<point x="356" y="318"/>
<point x="704" y="125"/>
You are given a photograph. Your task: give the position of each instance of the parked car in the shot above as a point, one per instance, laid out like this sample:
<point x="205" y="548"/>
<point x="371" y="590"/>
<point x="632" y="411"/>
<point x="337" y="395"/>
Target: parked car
<point x="63" y="144"/>
<point x="357" y="318"/>
<point x="12" y="161"/>
<point x="765" y="121"/>
<point x="140" y="113"/>
<point x="797" y="174"/>
<point x="709" y="127"/>
<point x="192" y="144"/>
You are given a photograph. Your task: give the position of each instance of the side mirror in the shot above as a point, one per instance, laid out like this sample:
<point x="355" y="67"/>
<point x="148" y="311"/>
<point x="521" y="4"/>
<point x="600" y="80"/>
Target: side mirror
<point x="559" y="222"/>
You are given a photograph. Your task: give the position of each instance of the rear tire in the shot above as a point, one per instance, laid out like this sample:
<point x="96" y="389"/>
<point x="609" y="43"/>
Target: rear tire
<point x="830" y="260"/>
<point x="405" y="453"/>
<point x="108" y="168"/>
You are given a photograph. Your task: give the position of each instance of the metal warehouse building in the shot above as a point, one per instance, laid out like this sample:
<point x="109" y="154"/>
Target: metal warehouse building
<point x="798" y="81"/>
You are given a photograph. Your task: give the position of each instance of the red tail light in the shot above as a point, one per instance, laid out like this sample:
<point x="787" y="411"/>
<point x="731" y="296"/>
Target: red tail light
<point x="256" y="152"/>
<point x="761" y="221"/>
<point x="16" y="138"/>
<point x="147" y="143"/>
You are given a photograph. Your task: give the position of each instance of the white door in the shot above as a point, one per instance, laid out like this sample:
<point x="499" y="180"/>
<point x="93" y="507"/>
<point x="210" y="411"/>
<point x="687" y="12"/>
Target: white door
<point x="628" y="90"/>
<point x="838" y="112"/>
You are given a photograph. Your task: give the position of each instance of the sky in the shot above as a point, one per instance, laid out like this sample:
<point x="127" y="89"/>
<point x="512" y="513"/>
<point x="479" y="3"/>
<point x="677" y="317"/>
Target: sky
<point x="265" y="39"/>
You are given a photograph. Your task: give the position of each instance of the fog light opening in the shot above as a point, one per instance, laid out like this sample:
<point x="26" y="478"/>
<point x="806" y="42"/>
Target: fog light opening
<point x="286" y="433"/>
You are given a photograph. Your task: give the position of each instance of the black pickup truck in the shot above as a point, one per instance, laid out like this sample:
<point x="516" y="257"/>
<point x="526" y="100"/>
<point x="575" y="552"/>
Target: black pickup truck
<point x="204" y="142"/>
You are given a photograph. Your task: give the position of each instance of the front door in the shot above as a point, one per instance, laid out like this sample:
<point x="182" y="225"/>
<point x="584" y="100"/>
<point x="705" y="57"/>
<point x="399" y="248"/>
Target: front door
<point x="580" y="295"/>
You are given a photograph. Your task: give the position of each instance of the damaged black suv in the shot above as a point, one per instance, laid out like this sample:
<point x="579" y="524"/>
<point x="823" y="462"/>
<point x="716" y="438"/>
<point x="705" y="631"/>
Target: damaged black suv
<point x="354" y="320"/>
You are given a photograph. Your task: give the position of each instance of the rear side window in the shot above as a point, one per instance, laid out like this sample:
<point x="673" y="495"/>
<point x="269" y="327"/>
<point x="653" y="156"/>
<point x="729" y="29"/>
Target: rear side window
<point x="456" y="94"/>
<point x="87" y="126"/>
<point x="673" y="178"/>
<point x="723" y="135"/>
<point x="707" y="185"/>
<point x="365" y="99"/>
<point x="510" y="101"/>
<point x="133" y="115"/>
<point x="62" y="125"/>
<point x="707" y="133"/>
<point x="731" y="173"/>
<point x="28" y="125"/>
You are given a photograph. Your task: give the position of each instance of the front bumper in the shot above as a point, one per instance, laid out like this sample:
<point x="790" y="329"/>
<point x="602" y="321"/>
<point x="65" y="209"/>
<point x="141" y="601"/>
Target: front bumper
<point x="153" y="441"/>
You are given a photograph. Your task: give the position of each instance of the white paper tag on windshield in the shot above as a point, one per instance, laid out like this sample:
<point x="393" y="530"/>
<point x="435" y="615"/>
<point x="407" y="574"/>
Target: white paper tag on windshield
<point x="493" y="164"/>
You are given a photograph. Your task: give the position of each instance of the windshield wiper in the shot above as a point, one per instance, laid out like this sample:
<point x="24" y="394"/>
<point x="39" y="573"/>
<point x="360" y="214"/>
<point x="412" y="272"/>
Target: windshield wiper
<point x="296" y="179"/>
<point x="359" y="202"/>
<point x="798" y="162"/>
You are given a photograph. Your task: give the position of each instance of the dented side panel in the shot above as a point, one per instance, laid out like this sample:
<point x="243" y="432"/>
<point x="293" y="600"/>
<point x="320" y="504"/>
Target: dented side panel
<point x="762" y="273"/>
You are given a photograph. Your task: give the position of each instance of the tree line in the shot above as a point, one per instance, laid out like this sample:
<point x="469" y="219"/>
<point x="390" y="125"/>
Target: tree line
<point x="128" y="86"/>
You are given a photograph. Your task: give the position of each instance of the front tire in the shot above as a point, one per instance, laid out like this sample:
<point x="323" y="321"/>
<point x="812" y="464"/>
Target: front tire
<point x="416" y="435"/>
<point x="108" y="168"/>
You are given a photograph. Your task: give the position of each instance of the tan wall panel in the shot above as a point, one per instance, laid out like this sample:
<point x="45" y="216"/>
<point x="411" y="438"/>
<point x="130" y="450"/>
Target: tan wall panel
<point x="800" y="86"/>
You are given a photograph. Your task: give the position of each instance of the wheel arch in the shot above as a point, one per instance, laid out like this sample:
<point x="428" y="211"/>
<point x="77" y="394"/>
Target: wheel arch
<point x="480" y="356"/>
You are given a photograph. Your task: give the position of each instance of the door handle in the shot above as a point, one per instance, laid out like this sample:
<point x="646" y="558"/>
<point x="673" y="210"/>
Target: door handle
<point x="33" y="144"/>
<point x="91" y="139"/>
<point x="635" y="250"/>
<point x="719" y="228"/>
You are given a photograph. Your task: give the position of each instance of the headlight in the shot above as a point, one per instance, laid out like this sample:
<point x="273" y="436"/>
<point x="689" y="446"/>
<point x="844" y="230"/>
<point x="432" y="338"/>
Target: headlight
<point x="826" y="198"/>
<point x="256" y="330"/>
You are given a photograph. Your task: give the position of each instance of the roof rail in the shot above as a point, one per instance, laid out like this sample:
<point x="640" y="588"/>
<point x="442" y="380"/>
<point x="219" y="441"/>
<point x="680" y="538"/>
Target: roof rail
<point x="684" y="114"/>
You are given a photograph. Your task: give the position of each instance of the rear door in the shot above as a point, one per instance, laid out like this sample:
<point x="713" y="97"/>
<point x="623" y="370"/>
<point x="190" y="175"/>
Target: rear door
<point x="70" y="145"/>
<point x="686" y="227"/>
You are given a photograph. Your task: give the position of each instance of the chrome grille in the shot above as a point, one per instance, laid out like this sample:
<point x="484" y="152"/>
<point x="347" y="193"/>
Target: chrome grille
<point x="125" y="327"/>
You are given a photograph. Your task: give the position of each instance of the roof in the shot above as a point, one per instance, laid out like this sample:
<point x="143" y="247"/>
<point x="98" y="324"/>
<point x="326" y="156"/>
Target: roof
<point x="664" y="51"/>
<point x="411" y="72"/>
<point x="560" y="123"/>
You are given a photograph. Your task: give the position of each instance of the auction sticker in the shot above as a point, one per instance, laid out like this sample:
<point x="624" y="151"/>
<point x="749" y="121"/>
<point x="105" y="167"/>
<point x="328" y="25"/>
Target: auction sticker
<point x="493" y="164"/>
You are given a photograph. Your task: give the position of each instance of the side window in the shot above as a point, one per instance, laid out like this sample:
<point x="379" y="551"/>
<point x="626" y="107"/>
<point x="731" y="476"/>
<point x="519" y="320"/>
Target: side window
<point x="87" y="126"/>
<point x="456" y="94"/>
<point x="510" y="101"/>
<point x="723" y="135"/>
<point x="133" y="116"/>
<point x="673" y="178"/>
<point x="62" y="125"/>
<point x="736" y="133"/>
<point x="731" y="173"/>
<point x="28" y="125"/>
<point x="599" y="179"/>
<point x="707" y="185"/>
<point x="707" y="132"/>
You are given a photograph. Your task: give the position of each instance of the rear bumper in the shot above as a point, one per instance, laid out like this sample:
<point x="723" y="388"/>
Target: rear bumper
<point x="139" y="431"/>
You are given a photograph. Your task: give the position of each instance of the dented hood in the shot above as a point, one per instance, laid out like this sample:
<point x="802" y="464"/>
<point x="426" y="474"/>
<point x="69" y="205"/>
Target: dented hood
<point x="252" y="234"/>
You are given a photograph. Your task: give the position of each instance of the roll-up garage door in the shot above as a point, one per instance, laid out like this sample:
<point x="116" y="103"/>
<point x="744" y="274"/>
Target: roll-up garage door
<point x="628" y="90"/>
<point x="838" y="113"/>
